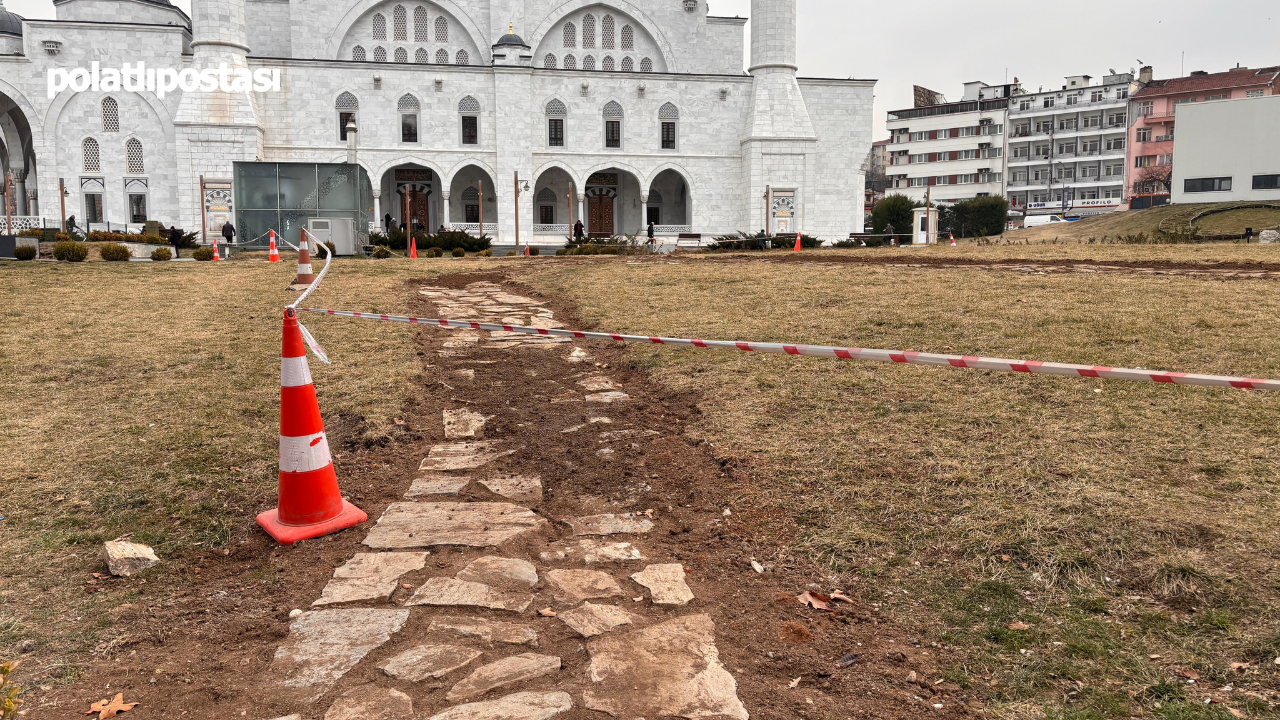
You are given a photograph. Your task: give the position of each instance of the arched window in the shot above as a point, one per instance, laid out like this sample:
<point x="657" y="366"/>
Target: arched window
<point x="628" y="64"/>
<point x="655" y="197"/>
<point x="357" y="53"/>
<point x="588" y="31"/>
<point x="402" y="55"/>
<point x="669" y="117"/>
<point x="89" y="156"/>
<point x="379" y="54"/>
<point x="613" y="125"/>
<point x="421" y="28"/>
<point x="133" y="156"/>
<point x="469" y="108"/>
<point x="556" y="112"/>
<point x="547" y="206"/>
<point x="442" y="30"/>
<point x="110" y="115"/>
<point x="471" y="205"/>
<point x="442" y="57"/>
<point x="548" y="196"/>
<point x="589" y="62"/>
<point x="346" y="106"/>
<point x="607" y="64"/>
<point x="607" y="35"/>
<point x="408" y="103"/>
<point x="628" y="38"/>
<point x="550" y="62"/>
<point x="462" y="58"/>
<point x="570" y="35"/>
<point x="646" y="65"/>
<point x="421" y="56"/>
<point x="408" y="106"/>
<point x="570" y="62"/>
<point x="379" y="26"/>
<point x="400" y="24"/>
<point x="555" y="108"/>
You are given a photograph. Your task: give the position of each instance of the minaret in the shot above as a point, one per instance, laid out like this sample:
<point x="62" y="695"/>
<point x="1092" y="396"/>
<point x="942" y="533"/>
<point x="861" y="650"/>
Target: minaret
<point x="206" y="121"/>
<point x="778" y="141"/>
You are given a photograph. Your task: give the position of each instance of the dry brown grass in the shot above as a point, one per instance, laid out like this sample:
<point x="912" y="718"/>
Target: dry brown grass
<point x="1135" y="519"/>
<point x="1047" y="250"/>
<point x="1146" y="221"/>
<point x="142" y="399"/>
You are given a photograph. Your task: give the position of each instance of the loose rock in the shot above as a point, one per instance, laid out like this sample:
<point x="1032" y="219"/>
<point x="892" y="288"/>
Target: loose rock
<point x="370" y="702"/>
<point x="324" y="644"/>
<point x="608" y="397"/>
<point x="598" y="383"/>
<point x="124" y="558"/>
<point x="429" y="661"/>
<point x="462" y="456"/>
<point x="369" y="576"/>
<point x="666" y="584"/>
<point x="436" y="484"/>
<point x="591" y="620"/>
<point x="450" y="591"/>
<point x="504" y="672"/>
<point x="521" y="706"/>
<point x="424" y="524"/>
<point x="459" y="424"/>
<point x="574" y="586"/>
<point x="500" y="572"/>
<point x="520" y="488"/>
<point x="488" y="631"/>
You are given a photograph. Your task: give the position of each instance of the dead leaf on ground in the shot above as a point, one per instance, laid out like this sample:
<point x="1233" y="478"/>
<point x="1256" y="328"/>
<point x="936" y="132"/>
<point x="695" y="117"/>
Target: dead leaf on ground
<point x="1189" y="674"/>
<point x="106" y="709"/>
<point x="1006" y="558"/>
<point x="1019" y="626"/>
<point x="814" y="600"/>
<point x="837" y="595"/>
<point x="1239" y="666"/>
<point x="547" y="612"/>
<point x="795" y="683"/>
<point x="1235" y="712"/>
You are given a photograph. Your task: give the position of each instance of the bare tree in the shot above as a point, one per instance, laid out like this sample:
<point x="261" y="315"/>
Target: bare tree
<point x="1159" y="177"/>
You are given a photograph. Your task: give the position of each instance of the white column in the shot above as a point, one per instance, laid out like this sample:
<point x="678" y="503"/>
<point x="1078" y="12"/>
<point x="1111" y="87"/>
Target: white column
<point x="377" y="208"/>
<point x="582" y="212"/>
<point x="444" y="196"/>
<point x="644" y="217"/>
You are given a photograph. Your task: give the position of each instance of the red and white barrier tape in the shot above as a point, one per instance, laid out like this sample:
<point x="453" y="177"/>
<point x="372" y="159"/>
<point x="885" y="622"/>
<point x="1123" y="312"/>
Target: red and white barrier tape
<point x="893" y="356"/>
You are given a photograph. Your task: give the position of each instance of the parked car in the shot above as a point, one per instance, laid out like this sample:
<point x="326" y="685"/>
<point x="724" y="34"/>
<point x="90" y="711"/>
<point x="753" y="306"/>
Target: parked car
<point x="1038" y="220"/>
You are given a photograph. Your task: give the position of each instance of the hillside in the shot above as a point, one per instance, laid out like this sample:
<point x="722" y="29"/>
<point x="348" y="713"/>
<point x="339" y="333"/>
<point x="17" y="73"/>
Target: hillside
<point x="1255" y="215"/>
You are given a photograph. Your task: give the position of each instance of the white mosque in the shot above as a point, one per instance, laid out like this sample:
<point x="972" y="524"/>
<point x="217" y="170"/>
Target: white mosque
<point x="526" y="115"/>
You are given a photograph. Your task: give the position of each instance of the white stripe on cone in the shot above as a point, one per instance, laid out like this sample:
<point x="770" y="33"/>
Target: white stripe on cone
<point x="304" y="454"/>
<point x="304" y="269"/>
<point x="294" y="372"/>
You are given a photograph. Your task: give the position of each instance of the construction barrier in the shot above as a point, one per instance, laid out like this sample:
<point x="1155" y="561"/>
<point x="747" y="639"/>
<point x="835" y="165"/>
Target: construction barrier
<point x="274" y="256"/>
<point x="893" y="356"/>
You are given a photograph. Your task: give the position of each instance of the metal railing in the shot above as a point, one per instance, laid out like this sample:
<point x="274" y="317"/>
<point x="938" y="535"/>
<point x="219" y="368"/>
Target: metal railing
<point x="552" y="229"/>
<point x="20" y="223"/>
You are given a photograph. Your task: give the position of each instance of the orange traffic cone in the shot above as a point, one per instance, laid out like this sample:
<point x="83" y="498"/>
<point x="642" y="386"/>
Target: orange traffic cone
<point x="798" y="242"/>
<point x="953" y="239"/>
<point x="275" y="252"/>
<point x="304" y="264"/>
<point x="310" y="502"/>
<point x="526" y="250"/>
<point x="216" y="258"/>
<point x="413" y="248"/>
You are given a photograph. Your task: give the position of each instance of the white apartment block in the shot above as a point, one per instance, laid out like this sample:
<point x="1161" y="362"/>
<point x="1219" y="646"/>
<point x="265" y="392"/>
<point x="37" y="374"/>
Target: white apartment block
<point x="952" y="151"/>
<point x="1066" y="148"/>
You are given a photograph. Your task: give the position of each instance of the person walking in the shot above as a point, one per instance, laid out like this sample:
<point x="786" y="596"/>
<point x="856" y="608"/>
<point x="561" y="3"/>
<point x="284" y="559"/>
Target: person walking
<point x="891" y="232"/>
<point x="578" y="230"/>
<point x="761" y="239"/>
<point x="175" y="239"/>
<point x="228" y="232"/>
<point x="387" y="222"/>
<point x="651" y="233"/>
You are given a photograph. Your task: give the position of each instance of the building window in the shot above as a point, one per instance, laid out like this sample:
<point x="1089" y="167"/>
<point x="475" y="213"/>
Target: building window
<point x="346" y="105"/>
<point x="1116" y="119"/>
<point x="89" y="156"/>
<point x="442" y="57"/>
<point x="471" y="204"/>
<point x="1144" y="161"/>
<point x="628" y="38"/>
<point x="1144" y="134"/>
<point x="918" y="182"/>
<point x="379" y="26"/>
<point x="1164" y="159"/>
<point x="589" y="62"/>
<point x="1203" y="185"/>
<point x="570" y="35"/>
<point x="421" y="56"/>
<point x="556" y="112"/>
<point x="608" y="36"/>
<point x="546" y="214"/>
<point x="613" y="115"/>
<point x="93" y="208"/>
<point x="917" y="136"/>
<point x="1266" y="182"/>
<point x="628" y="65"/>
<point x="1097" y="96"/>
<point x="570" y="62"/>
<point x="550" y="62"/>
<point x="1115" y="143"/>
<point x="133" y="156"/>
<point x="379" y="54"/>
<point x="1066" y="148"/>
<point x="669" y="115"/>
<point x="110" y="115"/>
<point x="1049" y="102"/>
<point x="588" y="31"/>
<point x="1093" y="121"/>
<point x="1122" y="93"/>
<point x="421" y="28"/>
<point x="968" y="131"/>
<point x="137" y="207"/>
<point x="357" y="54"/>
<point x="399" y="24"/>
<point x="607" y="64"/>
<point x="402" y="55"/>
<point x="1090" y="146"/>
<point x="462" y="58"/>
<point x="1024" y="105"/>
<point x="1073" y="100"/>
<point x="1211" y="98"/>
<point x="442" y="30"/>
<point x="1253" y="93"/>
<point x="469" y="108"/>
<point x="408" y="107"/>
<point x="1067" y="124"/>
<point x="646" y="65"/>
<point x="1113" y="193"/>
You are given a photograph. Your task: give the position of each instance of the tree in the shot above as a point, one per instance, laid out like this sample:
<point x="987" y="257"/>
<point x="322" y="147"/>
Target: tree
<point x="894" y="210"/>
<point x="1154" y="177"/>
<point x="979" y="217"/>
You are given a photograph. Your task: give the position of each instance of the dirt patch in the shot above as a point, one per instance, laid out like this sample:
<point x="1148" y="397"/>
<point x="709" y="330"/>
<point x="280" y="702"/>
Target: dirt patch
<point x="202" y="650"/>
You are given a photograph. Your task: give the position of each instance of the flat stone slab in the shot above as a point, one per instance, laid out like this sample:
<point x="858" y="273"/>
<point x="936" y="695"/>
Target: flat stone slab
<point x="520" y="488"/>
<point x="598" y="384"/>
<point x="574" y="586"/>
<point x="594" y="551"/>
<point x="669" y="669"/>
<point x="503" y="672"/>
<point x="370" y="702"/>
<point x="429" y="661"/>
<point x="124" y="558"/>
<point x="324" y="644"/>
<point x="520" y="706"/>
<point x="591" y="620"/>
<point x="610" y="524"/>
<point x="424" y="524"/>
<point x="454" y="592"/>
<point x="462" y="456"/>
<point x="488" y="631"/>
<point x="436" y="484"/>
<point x="461" y="424"/>
<point x="608" y="397"/>
<point x="369" y="576"/>
<point x="500" y="572"/>
<point x="666" y="584"/>
<point x="579" y="356"/>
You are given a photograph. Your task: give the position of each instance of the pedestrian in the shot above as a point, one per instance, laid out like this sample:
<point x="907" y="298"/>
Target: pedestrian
<point x="891" y="232"/>
<point x="761" y="239"/>
<point x="387" y="222"/>
<point x="71" y="226"/>
<point x="651" y="232"/>
<point x="228" y="232"/>
<point x="578" y="230"/>
<point x="175" y="239"/>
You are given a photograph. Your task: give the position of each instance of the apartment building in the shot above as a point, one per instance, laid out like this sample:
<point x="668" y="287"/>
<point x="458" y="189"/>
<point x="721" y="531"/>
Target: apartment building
<point x="952" y="151"/>
<point x="1150" y="156"/>
<point x="1066" y="147"/>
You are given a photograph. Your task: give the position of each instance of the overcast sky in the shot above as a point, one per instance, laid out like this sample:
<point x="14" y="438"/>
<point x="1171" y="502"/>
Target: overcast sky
<point x="943" y="44"/>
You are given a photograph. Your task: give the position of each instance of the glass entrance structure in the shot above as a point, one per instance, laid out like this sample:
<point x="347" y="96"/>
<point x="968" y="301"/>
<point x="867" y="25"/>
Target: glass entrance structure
<point x="282" y="196"/>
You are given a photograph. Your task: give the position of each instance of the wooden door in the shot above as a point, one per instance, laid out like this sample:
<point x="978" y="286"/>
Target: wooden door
<point x="600" y="216"/>
<point x="418" y="209"/>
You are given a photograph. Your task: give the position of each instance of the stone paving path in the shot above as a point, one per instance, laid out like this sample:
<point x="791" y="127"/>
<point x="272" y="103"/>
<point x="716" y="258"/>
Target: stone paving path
<point x="644" y="662"/>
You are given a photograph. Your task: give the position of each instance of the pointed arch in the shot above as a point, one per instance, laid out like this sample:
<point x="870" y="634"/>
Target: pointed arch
<point x="442" y="57"/>
<point x="442" y="29"/>
<point x="401" y="55"/>
<point x="133" y="156"/>
<point x="588" y="32"/>
<point x="570" y="62"/>
<point x="608" y="34"/>
<point x="399" y="24"/>
<point x="613" y="109"/>
<point x="421" y="26"/>
<point x="379" y="26"/>
<point x="646" y="65"/>
<point x="550" y="62"/>
<point x="589" y="62"/>
<point x="628" y="37"/>
<point x="357" y="53"/>
<point x="110" y="115"/>
<point x="570" y="34"/>
<point x="462" y="58"/>
<point x="469" y="104"/>
<point x="346" y="101"/>
<point x="408" y="102"/>
<point x="556" y="108"/>
<point x="607" y="64"/>
<point x="379" y="54"/>
<point x="668" y="111"/>
<point x="90" y="156"/>
<point x="628" y="65"/>
<point x="422" y="57"/>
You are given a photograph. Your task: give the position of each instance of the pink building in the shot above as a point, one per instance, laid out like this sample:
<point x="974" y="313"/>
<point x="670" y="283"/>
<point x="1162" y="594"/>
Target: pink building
<point x="1155" y="106"/>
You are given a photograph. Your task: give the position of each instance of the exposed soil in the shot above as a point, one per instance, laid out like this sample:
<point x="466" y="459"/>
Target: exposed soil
<point x="204" y="627"/>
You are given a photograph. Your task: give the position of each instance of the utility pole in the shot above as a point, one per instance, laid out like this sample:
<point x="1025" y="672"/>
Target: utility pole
<point x="8" y="196"/>
<point x="572" y="223"/>
<point x="203" y="221"/>
<point x="482" y="208"/>
<point x="517" y="197"/>
<point x="768" y="198"/>
<point x="62" y="198"/>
